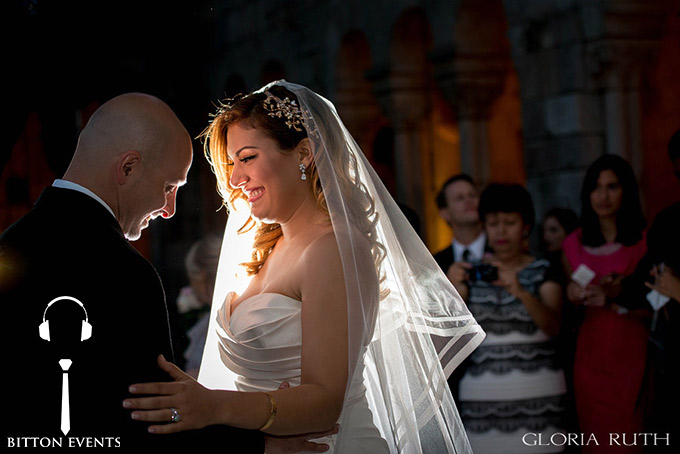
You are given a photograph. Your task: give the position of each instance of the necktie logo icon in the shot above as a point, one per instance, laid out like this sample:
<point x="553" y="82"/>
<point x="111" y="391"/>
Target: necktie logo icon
<point x="65" y="364"/>
<point x="65" y="406"/>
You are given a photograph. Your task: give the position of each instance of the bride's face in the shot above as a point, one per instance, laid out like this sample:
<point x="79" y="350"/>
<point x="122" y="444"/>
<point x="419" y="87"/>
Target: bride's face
<point x="268" y="176"/>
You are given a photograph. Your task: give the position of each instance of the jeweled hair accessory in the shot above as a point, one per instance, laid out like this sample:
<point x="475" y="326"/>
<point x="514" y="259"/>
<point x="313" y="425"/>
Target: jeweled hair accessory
<point x="226" y="105"/>
<point x="288" y="109"/>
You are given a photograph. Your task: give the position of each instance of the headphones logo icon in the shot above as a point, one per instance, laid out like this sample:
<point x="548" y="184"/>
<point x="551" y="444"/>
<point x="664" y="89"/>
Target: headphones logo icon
<point x="86" y="328"/>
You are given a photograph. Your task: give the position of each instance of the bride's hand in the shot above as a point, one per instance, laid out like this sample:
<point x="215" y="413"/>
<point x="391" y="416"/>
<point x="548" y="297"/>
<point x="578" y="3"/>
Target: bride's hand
<point x="194" y="403"/>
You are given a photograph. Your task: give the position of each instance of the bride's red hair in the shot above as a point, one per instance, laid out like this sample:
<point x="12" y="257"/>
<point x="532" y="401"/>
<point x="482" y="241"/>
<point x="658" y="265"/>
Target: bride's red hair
<point x="249" y="110"/>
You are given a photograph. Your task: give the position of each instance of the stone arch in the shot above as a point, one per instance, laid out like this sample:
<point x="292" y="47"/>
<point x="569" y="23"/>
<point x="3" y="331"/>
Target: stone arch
<point x="354" y="97"/>
<point x="403" y="90"/>
<point x="486" y="93"/>
<point x="411" y="39"/>
<point x="479" y="110"/>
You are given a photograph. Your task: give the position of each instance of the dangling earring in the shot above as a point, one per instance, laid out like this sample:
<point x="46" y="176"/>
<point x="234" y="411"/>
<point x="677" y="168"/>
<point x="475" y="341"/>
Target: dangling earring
<point x="303" y="177"/>
<point x="525" y="239"/>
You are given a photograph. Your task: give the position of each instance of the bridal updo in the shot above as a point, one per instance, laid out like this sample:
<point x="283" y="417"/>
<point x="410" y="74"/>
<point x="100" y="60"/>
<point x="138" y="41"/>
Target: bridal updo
<point x="252" y="111"/>
<point x="278" y="113"/>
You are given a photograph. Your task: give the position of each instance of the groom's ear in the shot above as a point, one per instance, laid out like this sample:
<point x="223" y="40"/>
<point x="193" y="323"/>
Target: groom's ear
<point x="128" y="163"/>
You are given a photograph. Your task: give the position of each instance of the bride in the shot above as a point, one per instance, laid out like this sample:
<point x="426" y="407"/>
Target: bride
<point x="322" y="284"/>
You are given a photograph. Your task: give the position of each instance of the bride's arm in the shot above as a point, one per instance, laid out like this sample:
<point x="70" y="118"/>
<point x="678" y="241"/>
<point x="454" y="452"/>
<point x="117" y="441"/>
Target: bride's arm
<point x="313" y="406"/>
<point x="316" y="404"/>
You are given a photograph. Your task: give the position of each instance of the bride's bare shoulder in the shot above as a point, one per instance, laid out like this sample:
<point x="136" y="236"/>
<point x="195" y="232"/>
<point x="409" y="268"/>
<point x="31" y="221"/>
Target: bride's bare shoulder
<point x="323" y="245"/>
<point x="327" y="243"/>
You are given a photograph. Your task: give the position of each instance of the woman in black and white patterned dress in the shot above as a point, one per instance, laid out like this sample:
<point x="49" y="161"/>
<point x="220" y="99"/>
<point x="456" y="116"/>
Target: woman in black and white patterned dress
<point x="513" y="388"/>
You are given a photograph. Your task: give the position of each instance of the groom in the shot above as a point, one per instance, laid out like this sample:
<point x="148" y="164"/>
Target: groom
<point x="129" y="163"/>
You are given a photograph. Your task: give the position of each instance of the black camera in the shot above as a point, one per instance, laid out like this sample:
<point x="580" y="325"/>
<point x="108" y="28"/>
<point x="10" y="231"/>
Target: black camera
<point x="483" y="272"/>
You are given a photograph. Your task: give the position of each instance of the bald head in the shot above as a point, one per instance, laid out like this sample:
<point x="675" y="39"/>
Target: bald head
<point x="133" y="121"/>
<point x="133" y="149"/>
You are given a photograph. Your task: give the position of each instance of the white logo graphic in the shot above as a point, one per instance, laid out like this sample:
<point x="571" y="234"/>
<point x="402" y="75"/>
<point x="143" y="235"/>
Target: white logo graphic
<point x="65" y="364"/>
<point x="65" y="408"/>
<point x="44" y="328"/>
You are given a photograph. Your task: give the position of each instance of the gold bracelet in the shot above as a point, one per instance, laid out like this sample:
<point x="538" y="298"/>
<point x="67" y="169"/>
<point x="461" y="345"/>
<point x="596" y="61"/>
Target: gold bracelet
<point x="272" y="413"/>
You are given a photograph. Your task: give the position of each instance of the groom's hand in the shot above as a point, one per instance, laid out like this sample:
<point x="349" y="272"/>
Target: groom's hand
<point x="297" y="443"/>
<point x="192" y="404"/>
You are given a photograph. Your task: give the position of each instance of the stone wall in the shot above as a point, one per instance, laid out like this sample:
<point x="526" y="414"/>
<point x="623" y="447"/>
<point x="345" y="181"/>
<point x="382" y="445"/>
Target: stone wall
<point x="578" y="68"/>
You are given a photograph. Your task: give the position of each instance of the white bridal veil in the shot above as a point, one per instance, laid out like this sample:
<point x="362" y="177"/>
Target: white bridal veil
<point x="412" y="336"/>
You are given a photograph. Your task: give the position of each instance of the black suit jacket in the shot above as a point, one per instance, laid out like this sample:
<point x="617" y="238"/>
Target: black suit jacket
<point x="444" y="258"/>
<point x="70" y="245"/>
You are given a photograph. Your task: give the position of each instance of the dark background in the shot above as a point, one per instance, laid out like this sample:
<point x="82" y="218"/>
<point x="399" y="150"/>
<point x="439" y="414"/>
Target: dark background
<point x="62" y="59"/>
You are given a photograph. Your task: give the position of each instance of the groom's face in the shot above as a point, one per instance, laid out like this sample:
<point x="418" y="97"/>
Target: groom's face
<point x="156" y="192"/>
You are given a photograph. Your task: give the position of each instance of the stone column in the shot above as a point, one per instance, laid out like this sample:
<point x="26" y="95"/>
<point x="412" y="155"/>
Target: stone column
<point x="357" y="107"/>
<point x="471" y="83"/>
<point x="403" y="98"/>
<point x="622" y="39"/>
<point x="616" y="66"/>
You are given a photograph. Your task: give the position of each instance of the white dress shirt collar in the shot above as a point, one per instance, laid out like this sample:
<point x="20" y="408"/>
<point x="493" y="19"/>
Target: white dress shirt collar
<point x="65" y="184"/>
<point x="476" y="248"/>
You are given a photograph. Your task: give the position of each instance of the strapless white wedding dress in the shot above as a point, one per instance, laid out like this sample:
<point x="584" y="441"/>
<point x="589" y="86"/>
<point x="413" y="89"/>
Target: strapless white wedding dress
<point x="263" y="347"/>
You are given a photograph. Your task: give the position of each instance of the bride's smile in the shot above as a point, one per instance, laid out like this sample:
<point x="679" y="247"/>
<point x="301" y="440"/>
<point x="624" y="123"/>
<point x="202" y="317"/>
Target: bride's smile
<point x="265" y="174"/>
<point x="253" y="194"/>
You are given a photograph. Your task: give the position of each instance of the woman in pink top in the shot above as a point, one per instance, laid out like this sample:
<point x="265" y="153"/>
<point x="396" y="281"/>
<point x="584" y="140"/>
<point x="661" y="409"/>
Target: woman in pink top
<point x="612" y="341"/>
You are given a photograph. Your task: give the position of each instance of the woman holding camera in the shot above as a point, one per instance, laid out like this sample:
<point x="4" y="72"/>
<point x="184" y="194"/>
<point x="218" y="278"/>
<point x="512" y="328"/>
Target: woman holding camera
<point x="512" y="385"/>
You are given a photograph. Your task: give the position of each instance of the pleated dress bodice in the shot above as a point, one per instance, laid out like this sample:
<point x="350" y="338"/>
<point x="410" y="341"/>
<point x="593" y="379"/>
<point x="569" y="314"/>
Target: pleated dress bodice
<point x="263" y="346"/>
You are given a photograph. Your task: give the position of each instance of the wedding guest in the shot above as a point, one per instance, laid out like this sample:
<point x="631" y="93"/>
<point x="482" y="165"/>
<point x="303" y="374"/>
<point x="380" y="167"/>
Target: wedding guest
<point x="662" y="266"/>
<point x="557" y="224"/>
<point x="194" y="300"/>
<point x="512" y="383"/>
<point x="611" y="347"/>
<point x="457" y="201"/>
<point x="659" y="271"/>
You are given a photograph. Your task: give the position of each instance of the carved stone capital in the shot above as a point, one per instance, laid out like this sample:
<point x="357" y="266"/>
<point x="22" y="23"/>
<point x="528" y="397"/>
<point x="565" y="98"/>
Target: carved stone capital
<point x="622" y="39"/>
<point x="619" y="63"/>
<point x="470" y="82"/>
<point x="402" y="96"/>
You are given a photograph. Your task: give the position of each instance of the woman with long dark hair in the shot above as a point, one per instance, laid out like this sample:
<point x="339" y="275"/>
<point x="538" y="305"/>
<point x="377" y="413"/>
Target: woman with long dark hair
<point x="612" y="341"/>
